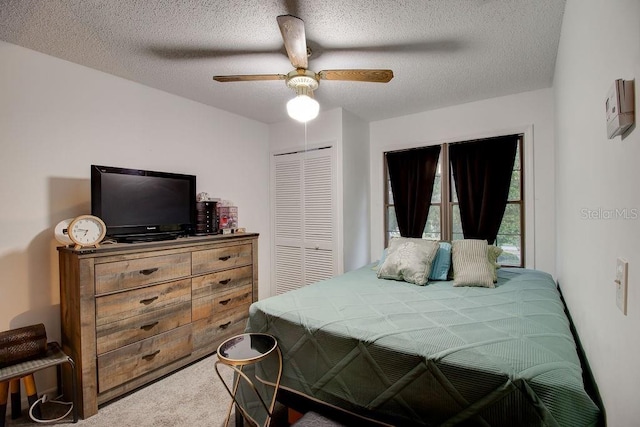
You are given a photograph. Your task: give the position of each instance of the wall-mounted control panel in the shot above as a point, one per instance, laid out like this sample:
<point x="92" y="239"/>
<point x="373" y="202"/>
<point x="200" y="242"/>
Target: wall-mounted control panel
<point x="620" y="106"/>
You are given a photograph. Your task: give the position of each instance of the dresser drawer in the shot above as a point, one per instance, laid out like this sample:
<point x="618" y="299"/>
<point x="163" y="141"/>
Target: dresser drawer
<point x="221" y="258"/>
<point x="222" y="281"/>
<point x="130" y="304"/>
<point x="119" y="366"/>
<point x="121" y="319"/>
<point x="209" y="332"/>
<point x="120" y="275"/>
<point x="213" y="304"/>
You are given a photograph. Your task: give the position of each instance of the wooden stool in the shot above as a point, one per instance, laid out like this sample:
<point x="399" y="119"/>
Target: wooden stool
<point x="10" y="381"/>
<point x="14" y="385"/>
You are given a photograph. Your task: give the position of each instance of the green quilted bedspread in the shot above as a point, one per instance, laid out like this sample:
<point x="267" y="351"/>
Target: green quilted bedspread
<point x="432" y="355"/>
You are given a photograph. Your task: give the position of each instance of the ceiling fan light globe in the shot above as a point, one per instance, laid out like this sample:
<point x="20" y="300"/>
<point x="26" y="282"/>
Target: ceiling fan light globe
<point x="303" y="108"/>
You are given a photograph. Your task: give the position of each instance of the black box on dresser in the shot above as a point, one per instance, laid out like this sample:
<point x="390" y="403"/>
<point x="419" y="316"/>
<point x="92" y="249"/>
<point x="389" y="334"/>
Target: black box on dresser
<point x="206" y="218"/>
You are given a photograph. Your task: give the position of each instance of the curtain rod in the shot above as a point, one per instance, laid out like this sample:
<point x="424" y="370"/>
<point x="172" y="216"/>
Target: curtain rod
<point x="520" y="135"/>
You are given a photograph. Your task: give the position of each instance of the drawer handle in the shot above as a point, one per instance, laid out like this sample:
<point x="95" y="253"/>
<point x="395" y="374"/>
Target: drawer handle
<point x="148" y="300"/>
<point x="225" y="301"/>
<point x="148" y="271"/>
<point x="148" y="357"/>
<point x="224" y="282"/>
<point x="149" y="326"/>
<point x="225" y="325"/>
<point x="224" y="258"/>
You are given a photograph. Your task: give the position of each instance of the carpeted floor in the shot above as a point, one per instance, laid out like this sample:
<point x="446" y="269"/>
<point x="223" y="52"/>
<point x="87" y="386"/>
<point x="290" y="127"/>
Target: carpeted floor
<point x="191" y="397"/>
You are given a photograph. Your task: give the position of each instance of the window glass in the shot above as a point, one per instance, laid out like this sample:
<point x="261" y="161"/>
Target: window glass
<point x="509" y="236"/>
<point x="437" y="189"/>
<point x="432" y="228"/>
<point x="456" y="223"/>
<point x="392" y="223"/>
<point x="515" y="186"/>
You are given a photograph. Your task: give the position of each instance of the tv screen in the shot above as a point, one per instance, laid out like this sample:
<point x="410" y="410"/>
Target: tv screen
<point x="139" y="205"/>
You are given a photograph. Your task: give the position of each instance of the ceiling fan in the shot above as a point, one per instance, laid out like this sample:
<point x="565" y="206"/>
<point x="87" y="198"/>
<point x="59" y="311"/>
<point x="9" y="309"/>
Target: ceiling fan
<point x="302" y="80"/>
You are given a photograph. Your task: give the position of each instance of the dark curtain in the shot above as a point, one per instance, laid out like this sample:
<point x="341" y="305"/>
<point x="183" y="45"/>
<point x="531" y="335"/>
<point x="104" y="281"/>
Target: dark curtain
<point x="482" y="173"/>
<point x="412" y="173"/>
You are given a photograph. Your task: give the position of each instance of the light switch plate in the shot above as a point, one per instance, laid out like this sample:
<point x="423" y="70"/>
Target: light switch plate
<point x="622" y="277"/>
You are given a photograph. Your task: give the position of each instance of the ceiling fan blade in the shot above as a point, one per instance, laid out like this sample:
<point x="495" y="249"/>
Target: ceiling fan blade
<point x="295" y="42"/>
<point x="249" y="77"/>
<point x="375" y="76"/>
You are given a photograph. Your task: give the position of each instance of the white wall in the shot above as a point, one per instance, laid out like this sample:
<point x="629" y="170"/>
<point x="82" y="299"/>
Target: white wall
<point x="355" y="148"/>
<point x="600" y="42"/>
<point x="529" y="112"/>
<point x="324" y="130"/>
<point x="58" y="118"/>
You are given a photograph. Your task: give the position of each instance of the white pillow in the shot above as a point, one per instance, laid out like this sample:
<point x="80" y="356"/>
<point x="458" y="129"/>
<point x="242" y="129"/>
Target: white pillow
<point x="409" y="259"/>
<point x="471" y="265"/>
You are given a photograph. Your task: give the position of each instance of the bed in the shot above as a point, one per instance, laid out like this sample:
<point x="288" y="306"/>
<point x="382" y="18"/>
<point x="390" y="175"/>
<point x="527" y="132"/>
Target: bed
<point x="431" y="355"/>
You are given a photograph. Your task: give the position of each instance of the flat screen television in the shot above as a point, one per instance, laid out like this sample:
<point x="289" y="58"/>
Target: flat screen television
<point x="141" y="205"/>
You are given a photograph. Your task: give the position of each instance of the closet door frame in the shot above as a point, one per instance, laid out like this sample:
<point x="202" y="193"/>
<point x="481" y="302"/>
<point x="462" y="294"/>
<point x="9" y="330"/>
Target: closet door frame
<point x="305" y="242"/>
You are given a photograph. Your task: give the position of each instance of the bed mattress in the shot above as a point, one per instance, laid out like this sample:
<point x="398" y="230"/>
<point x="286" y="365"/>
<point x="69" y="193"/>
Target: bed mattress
<point x="432" y="355"/>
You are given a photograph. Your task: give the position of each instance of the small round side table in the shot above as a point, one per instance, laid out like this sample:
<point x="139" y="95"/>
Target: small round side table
<point x="248" y="349"/>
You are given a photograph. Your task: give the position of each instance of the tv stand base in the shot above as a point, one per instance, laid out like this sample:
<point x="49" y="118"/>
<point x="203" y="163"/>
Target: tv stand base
<point x="138" y="238"/>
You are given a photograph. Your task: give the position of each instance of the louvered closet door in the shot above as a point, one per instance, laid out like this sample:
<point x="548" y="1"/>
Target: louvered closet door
<point x="288" y="222"/>
<point x="304" y="218"/>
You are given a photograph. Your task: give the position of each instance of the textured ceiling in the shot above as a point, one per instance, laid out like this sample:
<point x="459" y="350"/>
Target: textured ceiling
<point x="442" y="52"/>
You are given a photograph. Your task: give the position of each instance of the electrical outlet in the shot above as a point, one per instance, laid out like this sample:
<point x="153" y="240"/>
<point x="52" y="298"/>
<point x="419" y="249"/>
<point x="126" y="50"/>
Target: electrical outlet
<point x="622" y="277"/>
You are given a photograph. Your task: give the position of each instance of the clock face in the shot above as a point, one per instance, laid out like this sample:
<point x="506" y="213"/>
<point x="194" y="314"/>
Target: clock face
<point x="87" y="230"/>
